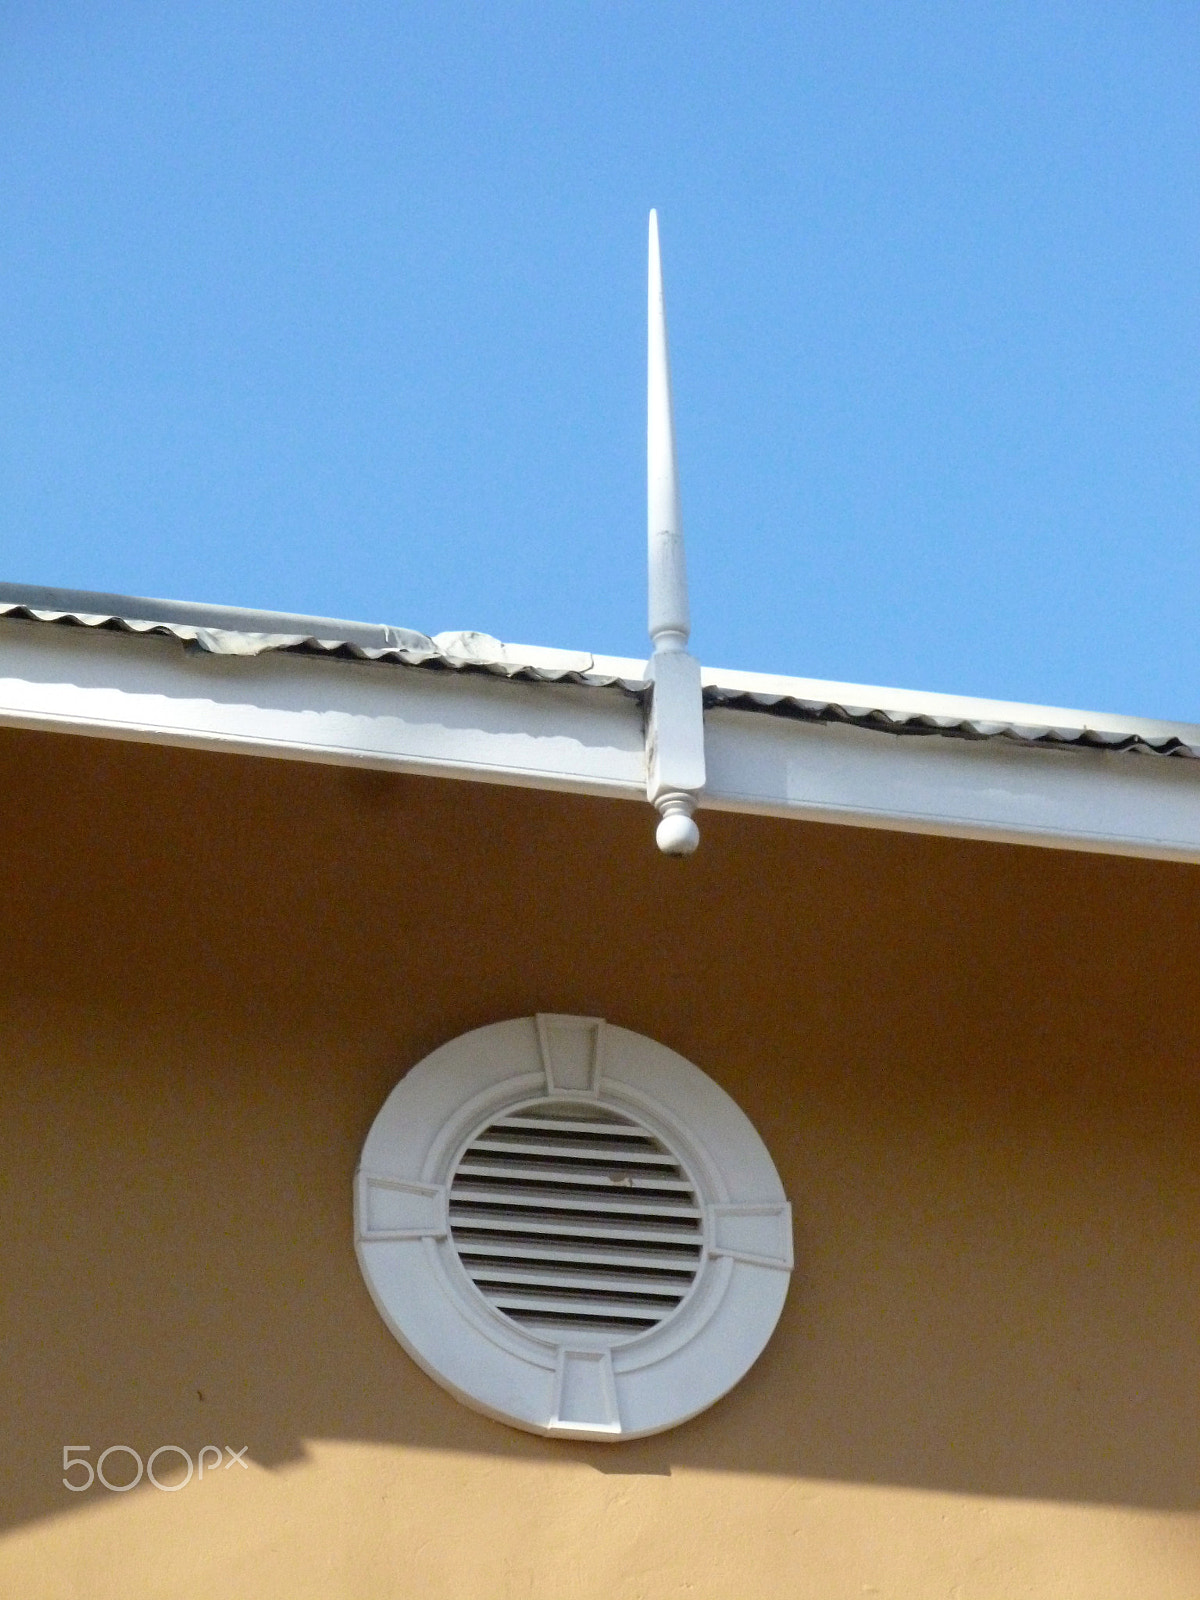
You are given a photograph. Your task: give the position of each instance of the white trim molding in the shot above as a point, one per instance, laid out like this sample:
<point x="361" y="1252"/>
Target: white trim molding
<point x="1115" y="803"/>
<point x="585" y="733"/>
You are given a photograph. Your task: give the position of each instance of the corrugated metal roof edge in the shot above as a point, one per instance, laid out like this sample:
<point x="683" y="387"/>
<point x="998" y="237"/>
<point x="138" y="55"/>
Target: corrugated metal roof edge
<point x="223" y="630"/>
<point x="456" y="652"/>
<point x="1183" y="741"/>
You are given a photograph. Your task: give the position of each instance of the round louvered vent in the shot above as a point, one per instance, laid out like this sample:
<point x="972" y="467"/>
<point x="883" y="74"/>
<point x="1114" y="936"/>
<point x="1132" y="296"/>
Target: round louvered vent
<point x="575" y="1217"/>
<point x="572" y="1228"/>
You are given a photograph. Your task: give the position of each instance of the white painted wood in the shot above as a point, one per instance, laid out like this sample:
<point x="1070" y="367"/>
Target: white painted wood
<point x="669" y="615"/>
<point x="1115" y="802"/>
<point x="675" y="736"/>
<point x="675" y="743"/>
<point x="589" y="740"/>
<point x="446" y="724"/>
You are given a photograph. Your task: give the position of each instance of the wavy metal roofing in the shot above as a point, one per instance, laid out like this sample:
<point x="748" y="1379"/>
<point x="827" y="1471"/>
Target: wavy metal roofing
<point x="892" y="719"/>
<point x="231" y="631"/>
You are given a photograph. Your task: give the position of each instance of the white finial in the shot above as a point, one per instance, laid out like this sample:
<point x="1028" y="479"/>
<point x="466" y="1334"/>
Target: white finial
<point x="675" y="733"/>
<point x="670" y="621"/>
<point x="677" y="834"/>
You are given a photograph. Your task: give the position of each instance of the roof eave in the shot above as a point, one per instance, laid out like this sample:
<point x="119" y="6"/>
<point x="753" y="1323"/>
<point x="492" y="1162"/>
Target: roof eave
<point x="466" y="707"/>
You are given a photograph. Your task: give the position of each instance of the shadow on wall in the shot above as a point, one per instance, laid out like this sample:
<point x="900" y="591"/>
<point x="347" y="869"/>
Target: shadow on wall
<point x="972" y="1064"/>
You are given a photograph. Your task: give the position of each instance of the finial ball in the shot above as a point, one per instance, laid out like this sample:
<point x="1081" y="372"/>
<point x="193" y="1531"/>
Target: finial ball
<point x="677" y="835"/>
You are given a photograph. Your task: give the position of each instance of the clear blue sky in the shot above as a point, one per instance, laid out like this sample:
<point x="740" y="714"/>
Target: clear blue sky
<point x="339" y="307"/>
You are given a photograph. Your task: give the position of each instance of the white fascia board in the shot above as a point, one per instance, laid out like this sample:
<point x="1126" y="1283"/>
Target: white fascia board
<point x="587" y="739"/>
<point x="1116" y="803"/>
<point x="446" y="723"/>
<point x="1058" y="796"/>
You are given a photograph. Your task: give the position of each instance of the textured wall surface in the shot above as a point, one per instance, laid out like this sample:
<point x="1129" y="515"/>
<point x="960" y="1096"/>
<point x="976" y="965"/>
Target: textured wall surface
<point x="974" y="1065"/>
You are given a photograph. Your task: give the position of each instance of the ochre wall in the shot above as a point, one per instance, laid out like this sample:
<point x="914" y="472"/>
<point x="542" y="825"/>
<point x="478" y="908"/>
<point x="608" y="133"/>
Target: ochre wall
<point x="975" y="1066"/>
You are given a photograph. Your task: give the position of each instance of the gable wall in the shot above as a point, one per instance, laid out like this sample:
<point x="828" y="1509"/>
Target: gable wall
<point x="975" y="1066"/>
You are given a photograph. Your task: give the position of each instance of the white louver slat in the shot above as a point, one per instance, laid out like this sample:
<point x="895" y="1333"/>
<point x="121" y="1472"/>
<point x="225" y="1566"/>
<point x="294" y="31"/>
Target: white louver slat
<point x="576" y="1218"/>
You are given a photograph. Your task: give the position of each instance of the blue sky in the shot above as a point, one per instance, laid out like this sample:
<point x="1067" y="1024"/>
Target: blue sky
<point x="339" y="307"/>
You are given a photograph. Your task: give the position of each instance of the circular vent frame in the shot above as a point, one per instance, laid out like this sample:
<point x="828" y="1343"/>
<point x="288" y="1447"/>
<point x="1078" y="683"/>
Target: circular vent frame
<point x="572" y="1228"/>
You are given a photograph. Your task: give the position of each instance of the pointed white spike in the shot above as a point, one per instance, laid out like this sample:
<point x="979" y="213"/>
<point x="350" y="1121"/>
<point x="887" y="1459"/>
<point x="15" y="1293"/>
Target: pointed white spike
<point x="675" y="731"/>
<point x="670" y="620"/>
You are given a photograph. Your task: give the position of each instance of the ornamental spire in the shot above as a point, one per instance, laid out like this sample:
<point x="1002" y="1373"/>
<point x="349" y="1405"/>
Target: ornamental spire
<point x="675" y="731"/>
<point x="670" y="619"/>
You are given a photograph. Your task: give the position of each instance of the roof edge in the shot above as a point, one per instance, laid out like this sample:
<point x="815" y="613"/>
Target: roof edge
<point x="239" y="631"/>
<point x="186" y="613"/>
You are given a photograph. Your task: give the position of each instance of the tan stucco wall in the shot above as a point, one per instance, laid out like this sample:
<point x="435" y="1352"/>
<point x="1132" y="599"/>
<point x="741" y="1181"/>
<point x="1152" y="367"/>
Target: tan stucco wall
<point x="975" y="1066"/>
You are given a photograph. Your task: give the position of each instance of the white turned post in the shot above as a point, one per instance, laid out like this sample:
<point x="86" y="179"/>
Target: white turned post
<point x="675" y="741"/>
<point x="670" y="619"/>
